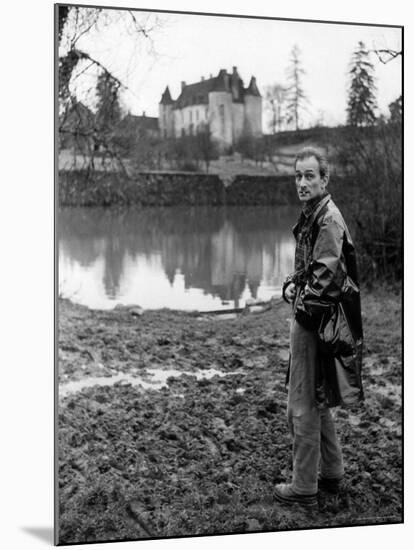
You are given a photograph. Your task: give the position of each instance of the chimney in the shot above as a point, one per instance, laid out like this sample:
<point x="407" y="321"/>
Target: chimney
<point x="143" y="113"/>
<point x="211" y="75"/>
<point x="202" y="78"/>
<point x="234" y="69"/>
<point x="182" y="85"/>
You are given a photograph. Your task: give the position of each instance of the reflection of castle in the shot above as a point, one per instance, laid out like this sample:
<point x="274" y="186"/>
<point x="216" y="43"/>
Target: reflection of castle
<point x="215" y="252"/>
<point x="222" y="103"/>
<point x="250" y="257"/>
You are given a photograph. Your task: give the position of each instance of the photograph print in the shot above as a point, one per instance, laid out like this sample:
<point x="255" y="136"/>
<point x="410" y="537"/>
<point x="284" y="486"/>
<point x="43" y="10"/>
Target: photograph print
<point x="229" y="264"/>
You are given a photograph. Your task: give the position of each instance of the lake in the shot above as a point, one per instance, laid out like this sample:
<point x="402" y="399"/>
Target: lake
<point x="188" y="258"/>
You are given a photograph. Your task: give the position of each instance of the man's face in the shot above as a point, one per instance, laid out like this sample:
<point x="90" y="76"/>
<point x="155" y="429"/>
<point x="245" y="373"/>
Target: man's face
<point x="309" y="183"/>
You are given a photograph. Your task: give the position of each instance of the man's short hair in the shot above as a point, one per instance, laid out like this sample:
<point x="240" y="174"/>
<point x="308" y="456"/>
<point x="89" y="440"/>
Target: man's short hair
<point x="307" y="152"/>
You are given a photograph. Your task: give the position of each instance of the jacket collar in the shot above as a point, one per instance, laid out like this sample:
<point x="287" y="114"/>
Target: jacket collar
<point x="318" y="207"/>
<point x="312" y="213"/>
<point x="311" y="206"/>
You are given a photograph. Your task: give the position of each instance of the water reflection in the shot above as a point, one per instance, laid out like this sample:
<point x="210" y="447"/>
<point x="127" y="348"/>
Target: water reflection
<point x="186" y="258"/>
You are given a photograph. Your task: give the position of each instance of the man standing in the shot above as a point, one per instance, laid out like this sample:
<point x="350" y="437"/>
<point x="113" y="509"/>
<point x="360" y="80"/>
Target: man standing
<point x="323" y="257"/>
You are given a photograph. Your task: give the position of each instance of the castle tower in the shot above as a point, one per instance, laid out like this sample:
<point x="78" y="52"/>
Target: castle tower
<point x="220" y="109"/>
<point x="237" y="93"/>
<point x="166" y="116"/>
<point x="253" y="109"/>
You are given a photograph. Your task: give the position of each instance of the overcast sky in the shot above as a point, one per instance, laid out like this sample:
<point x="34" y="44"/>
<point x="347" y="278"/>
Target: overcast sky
<point x="186" y="47"/>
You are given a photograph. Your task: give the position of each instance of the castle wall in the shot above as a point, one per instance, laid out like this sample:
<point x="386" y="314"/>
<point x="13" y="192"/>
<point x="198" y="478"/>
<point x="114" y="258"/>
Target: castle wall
<point x="178" y="122"/>
<point x="221" y="117"/>
<point x="161" y="120"/>
<point x="189" y="119"/>
<point x="253" y="115"/>
<point x="238" y="110"/>
<point x="166" y="120"/>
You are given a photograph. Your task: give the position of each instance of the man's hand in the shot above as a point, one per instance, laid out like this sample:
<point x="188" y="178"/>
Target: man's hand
<point x="290" y="292"/>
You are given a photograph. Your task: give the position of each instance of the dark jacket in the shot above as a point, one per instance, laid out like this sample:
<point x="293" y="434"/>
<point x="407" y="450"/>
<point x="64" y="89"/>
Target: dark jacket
<point x="328" y="301"/>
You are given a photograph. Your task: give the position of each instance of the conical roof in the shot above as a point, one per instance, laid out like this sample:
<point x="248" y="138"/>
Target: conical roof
<point x="166" y="98"/>
<point x="197" y="93"/>
<point x="252" y="88"/>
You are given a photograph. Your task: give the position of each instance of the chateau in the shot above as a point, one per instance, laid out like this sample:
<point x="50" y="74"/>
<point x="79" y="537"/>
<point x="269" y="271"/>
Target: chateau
<point x="221" y="103"/>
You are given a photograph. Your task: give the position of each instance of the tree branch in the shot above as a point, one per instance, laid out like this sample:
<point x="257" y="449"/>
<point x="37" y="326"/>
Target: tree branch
<point x="392" y="54"/>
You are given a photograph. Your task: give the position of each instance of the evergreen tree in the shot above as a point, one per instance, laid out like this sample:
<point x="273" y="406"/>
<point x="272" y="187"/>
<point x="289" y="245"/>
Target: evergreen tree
<point x="296" y="94"/>
<point x="396" y="110"/>
<point x="362" y="102"/>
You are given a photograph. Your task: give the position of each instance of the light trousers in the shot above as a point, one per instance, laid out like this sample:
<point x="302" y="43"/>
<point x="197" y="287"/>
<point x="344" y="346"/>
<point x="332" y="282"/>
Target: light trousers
<point x="315" y="443"/>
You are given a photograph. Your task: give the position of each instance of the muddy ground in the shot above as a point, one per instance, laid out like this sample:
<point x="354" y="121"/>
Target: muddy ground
<point x="201" y="454"/>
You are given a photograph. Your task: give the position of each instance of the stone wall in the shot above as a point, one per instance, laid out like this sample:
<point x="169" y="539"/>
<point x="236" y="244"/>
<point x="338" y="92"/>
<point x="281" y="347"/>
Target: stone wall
<point x="77" y="188"/>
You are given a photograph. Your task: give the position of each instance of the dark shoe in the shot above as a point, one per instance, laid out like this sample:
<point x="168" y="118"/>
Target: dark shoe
<point x="330" y="484"/>
<point x="284" y="493"/>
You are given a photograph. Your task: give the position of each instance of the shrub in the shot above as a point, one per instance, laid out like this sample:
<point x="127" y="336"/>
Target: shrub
<point x="369" y="192"/>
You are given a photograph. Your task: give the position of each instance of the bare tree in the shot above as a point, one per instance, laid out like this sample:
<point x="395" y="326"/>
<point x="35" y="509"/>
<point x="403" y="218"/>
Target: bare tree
<point x="206" y="147"/>
<point x="384" y="52"/>
<point x="296" y="94"/>
<point x="369" y="160"/>
<point x="386" y="55"/>
<point x="276" y="96"/>
<point x="81" y="74"/>
<point x="252" y="147"/>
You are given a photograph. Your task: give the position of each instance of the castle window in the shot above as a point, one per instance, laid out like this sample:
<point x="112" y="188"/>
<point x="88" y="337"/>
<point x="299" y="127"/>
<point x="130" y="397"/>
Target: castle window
<point x="191" y="117"/>
<point x="197" y="115"/>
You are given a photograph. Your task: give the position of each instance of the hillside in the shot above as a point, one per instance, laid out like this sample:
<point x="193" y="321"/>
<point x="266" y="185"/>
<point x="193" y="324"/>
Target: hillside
<point x="275" y="154"/>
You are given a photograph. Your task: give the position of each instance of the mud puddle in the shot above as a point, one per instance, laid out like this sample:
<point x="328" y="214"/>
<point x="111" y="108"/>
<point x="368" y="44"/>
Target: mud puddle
<point x="154" y="379"/>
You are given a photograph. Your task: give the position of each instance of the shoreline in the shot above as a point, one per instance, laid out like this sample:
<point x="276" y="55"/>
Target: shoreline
<point x="200" y="454"/>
